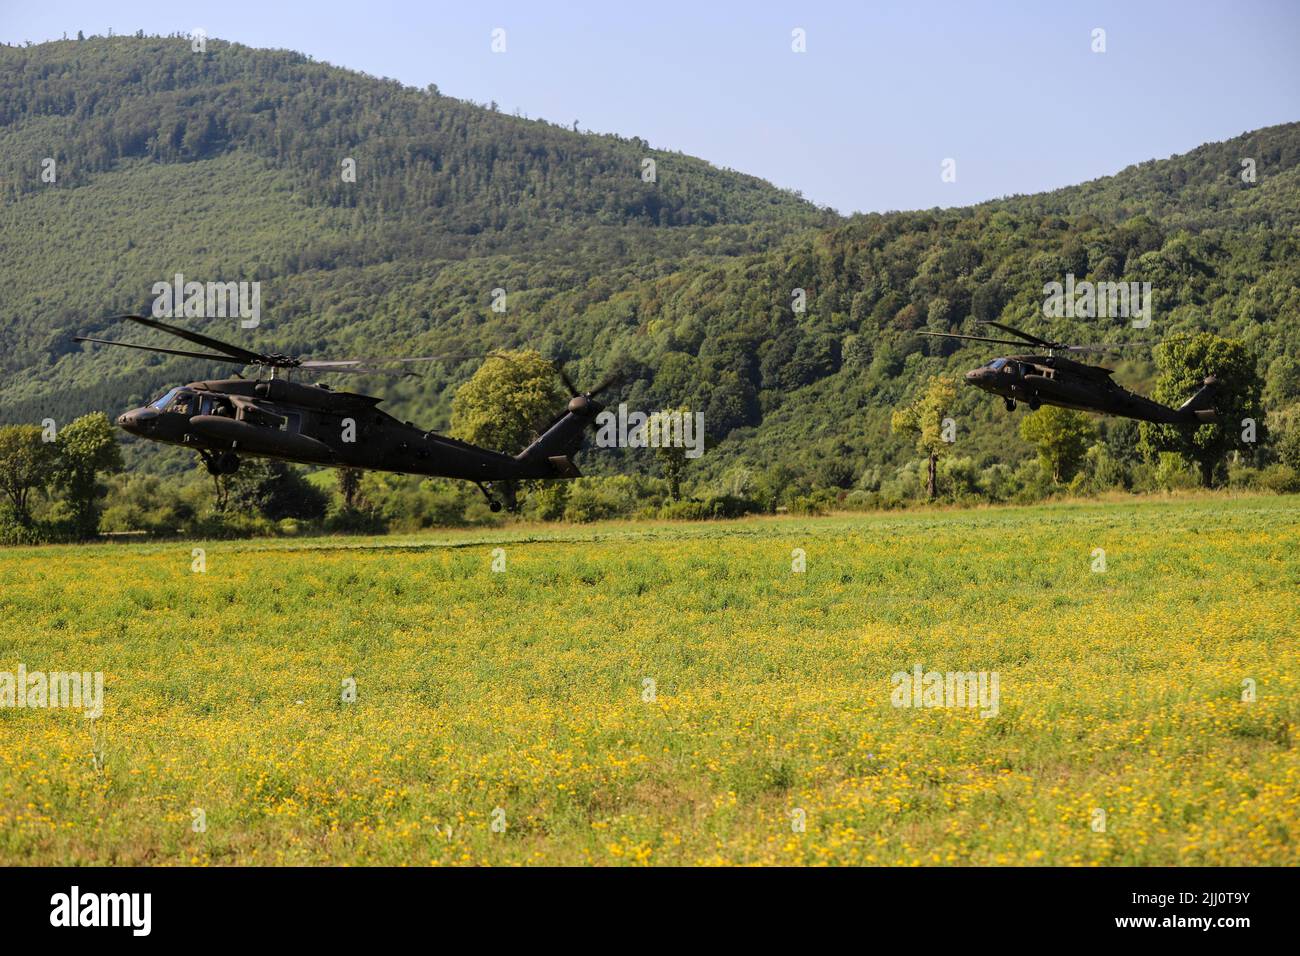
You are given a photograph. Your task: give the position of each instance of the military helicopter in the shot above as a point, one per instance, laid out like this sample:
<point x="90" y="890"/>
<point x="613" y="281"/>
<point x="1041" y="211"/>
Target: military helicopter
<point x="316" y="425"/>
<point x="1052" y="379"/>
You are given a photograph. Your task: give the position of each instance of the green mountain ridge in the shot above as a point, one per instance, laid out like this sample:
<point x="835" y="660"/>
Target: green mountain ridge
<point x="225" y="165"/>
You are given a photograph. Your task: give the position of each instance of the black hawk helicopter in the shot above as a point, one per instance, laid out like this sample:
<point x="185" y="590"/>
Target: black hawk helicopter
<point x="1052" y="379"/>
<point x="316" y="425"/>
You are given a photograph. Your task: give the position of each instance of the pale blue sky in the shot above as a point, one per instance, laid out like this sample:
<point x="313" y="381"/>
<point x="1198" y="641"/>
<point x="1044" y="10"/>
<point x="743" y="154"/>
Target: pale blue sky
<point x="862" y="121"/>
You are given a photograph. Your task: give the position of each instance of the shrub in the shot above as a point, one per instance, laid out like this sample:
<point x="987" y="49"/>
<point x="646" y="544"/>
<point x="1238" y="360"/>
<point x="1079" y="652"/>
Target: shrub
<point x="15" y="531"/>
<point x="356" y="521"/>
<point x="1174" y="472"/>
<point x="1280" y="478"/>
<point x="146" y="503"/>
<point x="689" y="510"/>
<point x="1033" y="481"/>
<point x="718" y="506"/>
<point x="808" y="505"/>
<point x="591" y="500"/>
<point x="859" y="500"/>
<point x="1242" y="476"/>
<point x="548" y="502"/>
<point x="998" y="481"/>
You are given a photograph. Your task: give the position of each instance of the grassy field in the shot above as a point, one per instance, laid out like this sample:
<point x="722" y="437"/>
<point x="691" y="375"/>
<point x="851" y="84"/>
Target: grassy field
<point x="521" y="696"/>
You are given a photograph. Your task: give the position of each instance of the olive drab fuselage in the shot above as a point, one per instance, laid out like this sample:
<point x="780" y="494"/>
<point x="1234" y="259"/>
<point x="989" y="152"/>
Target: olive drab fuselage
<point x="1053" y="380"/>
<point x="316" y="425"/>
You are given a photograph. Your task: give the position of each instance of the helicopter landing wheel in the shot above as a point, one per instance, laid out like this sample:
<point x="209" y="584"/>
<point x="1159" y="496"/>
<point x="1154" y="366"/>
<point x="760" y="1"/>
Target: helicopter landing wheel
<point x="1010" y="403"/>
<point x="1035" y="404"/>
<point x="493" y="505"/>
<point x="212" y="462"/>
<point x="227" y="463"/>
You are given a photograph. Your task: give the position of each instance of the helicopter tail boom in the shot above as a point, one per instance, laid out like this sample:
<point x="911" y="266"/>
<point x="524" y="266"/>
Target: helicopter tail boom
<point x="1201" y="405"/>
<point x="551" y="456"/>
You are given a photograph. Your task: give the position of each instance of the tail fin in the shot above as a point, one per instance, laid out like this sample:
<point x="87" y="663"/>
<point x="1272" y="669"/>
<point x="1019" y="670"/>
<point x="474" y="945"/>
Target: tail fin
<point x="552" y="455"/>
<point x="1201" y="405"/>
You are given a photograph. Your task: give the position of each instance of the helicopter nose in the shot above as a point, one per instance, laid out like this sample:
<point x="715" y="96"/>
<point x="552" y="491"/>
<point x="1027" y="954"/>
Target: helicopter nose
<point x="135" y="420"/>
<point x="974" y="376"/>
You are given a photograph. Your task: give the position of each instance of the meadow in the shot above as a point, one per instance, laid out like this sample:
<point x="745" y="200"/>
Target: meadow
<point x="641" y="693"/>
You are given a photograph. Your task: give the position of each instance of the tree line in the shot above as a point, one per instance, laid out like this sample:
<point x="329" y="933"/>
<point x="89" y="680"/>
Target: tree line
<point x="795" y="333"/>
<point x="67" y="484"/>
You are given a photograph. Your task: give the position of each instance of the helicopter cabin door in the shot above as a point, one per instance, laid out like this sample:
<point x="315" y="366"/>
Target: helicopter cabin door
<point x="246" y="411"/>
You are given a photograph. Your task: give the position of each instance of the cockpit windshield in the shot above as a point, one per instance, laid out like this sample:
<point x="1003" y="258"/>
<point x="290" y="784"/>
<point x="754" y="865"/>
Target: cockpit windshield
<point x="997" y="364"/>
<point x="165" y="400"/>
<point x="177" y="400"/>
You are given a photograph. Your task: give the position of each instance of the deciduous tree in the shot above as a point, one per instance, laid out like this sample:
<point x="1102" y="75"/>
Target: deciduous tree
<point x="1062" y="437"/>
<point x="1183" y="365"/>
<point x="87" y="447"/>
<point x="923" y="421"/>
<point x="507" y="402"/>
<point x="26" y="464"/>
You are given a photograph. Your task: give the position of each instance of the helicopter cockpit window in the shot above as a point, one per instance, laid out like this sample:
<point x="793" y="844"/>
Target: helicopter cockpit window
<point x="215" y="405"/>
<point x="164" y="400"/>
<point x="997" y="364"/>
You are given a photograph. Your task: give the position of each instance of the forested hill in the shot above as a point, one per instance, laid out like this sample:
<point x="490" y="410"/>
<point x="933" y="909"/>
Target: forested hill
<point x="465" y="177"/>
<point x="229" y="165"/>
<point x="1203" y="187"/>
<point x="225" y="165"/>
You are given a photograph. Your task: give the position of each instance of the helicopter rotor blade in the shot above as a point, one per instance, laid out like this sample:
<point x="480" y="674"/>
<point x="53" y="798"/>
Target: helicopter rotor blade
<point x="971" y="338"/>
<point x="1105" y="346"/>
<point x="568" y="382"/>
<point x="238" y="355"/>
<point x="150" y="348"/>
<point x="609" y="382"/>
<point x="234" y="351"/>
<point x="323" y="368"/>
<point x="325" y="363"/>
<point x="1034" y="339"/>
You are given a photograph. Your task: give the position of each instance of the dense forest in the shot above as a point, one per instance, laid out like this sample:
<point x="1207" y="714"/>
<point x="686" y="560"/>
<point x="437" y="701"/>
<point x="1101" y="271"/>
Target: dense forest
<point x="793" y="329"/>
